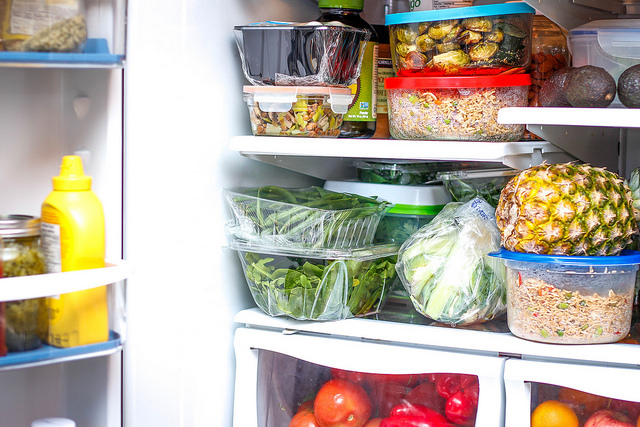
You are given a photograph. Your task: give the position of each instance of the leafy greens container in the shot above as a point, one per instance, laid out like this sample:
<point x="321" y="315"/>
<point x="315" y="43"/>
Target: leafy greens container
<point x="446" y="270"/>
<point x="485" y="39"/>
<point x="309" y="217"/>
<point x="570" y="299"/>
<point x="412" y="206"/>
<point x="322" y="284"/>
<point x="486" y="183"/>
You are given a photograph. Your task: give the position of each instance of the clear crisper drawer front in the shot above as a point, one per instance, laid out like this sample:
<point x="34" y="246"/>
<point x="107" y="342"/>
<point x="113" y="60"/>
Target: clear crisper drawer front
<point x="576" y="394"/>
<point x="285" y="379"/>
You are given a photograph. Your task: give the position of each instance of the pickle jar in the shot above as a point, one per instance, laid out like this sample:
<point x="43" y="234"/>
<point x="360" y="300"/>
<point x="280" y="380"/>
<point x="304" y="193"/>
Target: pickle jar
<point x="26" y="321"/>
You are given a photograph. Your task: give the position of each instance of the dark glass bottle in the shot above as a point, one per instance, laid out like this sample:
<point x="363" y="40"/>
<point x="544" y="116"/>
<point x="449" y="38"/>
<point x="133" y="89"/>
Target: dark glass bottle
<point x="360" y="120"/>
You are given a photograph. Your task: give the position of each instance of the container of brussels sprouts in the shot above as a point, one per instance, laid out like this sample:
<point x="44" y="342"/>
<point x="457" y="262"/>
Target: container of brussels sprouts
<point x="318" y="284"/>
<point x="486" y="183"/>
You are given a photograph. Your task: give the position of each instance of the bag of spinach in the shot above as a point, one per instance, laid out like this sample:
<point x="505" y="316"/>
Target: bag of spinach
<point x="445" y="268"/>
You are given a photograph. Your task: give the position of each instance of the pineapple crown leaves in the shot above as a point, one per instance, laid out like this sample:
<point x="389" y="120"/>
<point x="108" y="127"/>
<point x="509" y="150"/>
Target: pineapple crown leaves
<point x="634" y="186"/>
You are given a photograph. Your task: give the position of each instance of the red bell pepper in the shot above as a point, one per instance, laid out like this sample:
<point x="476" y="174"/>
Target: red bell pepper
<point x="410" y="415"/>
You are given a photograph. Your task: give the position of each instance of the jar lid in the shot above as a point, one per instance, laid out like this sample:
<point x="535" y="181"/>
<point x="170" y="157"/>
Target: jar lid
<point x="446" y="82"/>
<point x="341" y="4"/>
<point x="12" y="226"/>
<point x="458" y="13"/>
<point x="626" y="257"/>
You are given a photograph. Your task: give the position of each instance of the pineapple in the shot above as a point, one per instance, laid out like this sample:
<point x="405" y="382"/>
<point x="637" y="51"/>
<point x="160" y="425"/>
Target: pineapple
<point x="566" y="209"/>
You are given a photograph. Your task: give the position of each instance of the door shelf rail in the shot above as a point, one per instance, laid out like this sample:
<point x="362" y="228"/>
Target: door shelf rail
<point x="43" y="285"/>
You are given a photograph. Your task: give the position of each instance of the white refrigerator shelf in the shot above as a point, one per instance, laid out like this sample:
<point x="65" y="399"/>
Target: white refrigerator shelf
<point x="468" y="339"/>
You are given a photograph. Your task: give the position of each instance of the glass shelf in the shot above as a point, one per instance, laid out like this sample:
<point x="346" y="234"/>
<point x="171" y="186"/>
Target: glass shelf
<point x="333" y="158"/>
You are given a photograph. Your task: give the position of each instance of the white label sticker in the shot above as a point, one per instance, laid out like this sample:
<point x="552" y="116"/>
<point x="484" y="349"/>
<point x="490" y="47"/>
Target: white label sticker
<point x="51" y="247"/>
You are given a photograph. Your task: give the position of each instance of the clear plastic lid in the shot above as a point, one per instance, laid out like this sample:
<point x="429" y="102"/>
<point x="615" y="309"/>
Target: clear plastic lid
<point x="626" y="257"/>
<point x="283" y="98"/>
<point x="415" y="195"/>
<point x="617" y="37"/>
<point x="480" y="173"/>
<point x="458" y="13"/>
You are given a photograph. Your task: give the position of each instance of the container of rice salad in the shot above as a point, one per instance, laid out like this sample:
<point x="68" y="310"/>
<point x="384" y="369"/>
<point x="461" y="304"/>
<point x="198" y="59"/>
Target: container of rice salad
<point x="461" y="108"/>
<point x="570" y="299"/>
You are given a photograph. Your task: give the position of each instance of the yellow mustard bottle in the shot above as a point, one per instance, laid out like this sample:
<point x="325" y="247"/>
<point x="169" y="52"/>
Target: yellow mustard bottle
<point x="73" y="238"/>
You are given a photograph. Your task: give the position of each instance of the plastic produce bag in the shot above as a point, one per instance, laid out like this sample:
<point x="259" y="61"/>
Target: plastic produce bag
<point x="445" y="268"/>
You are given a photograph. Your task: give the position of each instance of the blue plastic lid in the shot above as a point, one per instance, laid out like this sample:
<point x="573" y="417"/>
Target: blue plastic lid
<point x="458" y="13"/>
<point x="626" y="257"/>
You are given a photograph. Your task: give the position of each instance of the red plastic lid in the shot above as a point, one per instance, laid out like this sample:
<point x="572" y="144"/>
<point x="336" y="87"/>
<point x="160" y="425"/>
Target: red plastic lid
<point x="442" y="82"/>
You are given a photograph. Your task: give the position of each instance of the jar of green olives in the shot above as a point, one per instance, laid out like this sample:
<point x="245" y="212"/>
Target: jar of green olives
<point x="26" y="321"/>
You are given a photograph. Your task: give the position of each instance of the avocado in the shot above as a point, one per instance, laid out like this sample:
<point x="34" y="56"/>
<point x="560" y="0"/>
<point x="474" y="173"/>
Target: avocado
<point x="552" y="90"/>
<point x="589" y="86"/>
<point x="629" y="87"/>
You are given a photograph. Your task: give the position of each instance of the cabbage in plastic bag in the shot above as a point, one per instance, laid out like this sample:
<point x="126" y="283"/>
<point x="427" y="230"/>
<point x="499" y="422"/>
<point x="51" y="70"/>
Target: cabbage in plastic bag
<point x="445" y="268"/>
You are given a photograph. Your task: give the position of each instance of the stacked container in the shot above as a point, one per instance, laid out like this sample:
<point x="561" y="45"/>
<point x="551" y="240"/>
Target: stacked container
<point x="299" y="75"/>
<point x="455" y="68"/>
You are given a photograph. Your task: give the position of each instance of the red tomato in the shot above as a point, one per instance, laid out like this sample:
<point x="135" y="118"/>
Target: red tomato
<point x="460" y="409"/>
<point x="425" y="394"/>
<point x="448" y="384"/>
<point x="342" y="403"/>
<point x="304" y="418"/>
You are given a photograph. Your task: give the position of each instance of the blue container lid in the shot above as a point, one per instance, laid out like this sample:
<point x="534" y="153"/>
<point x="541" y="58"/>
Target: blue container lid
<point x="626" y="257"/>
<point x="458" y="13"/>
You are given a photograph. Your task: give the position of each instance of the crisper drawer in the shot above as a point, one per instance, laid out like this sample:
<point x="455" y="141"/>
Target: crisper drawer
<point x="572" y="392"/>
<point x="279" y="373"/>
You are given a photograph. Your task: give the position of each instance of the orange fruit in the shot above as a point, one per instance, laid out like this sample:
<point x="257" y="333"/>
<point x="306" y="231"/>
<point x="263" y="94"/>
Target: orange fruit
<point x="638" y="422"/>
<point x="552" y="413"/>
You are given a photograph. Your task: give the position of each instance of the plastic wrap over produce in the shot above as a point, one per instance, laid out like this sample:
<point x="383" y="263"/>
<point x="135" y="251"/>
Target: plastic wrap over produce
<point x="300" y="54"/>
<point x="446" y="269"/>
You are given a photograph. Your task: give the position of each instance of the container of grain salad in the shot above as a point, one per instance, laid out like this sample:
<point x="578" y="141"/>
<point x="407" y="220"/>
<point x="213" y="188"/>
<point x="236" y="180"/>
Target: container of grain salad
<point x="570" y="299"/>
<point x="463" y="108"/>
<point x="308" y="111"/>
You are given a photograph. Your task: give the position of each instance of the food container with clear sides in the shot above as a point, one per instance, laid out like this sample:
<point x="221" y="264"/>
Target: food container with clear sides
<point x="405" y="173"/>
<point x="412" y="206"/>
<point x="309" y="217"/>
<point x="612" y="44"/>
<point x="300" y="54"/>
<point x="570" y="299"/>
<point x="309" y="111"/>
<point x="486" y="39"/>
<point x="455" y="108"/>
<point x="25" y="321"/>
<point x="464" y="185"/>
<point x="318" y="284"/>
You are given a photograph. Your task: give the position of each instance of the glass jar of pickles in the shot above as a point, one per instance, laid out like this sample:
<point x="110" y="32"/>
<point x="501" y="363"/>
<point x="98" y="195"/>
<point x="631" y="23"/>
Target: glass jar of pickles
<point x="26" y="321"/>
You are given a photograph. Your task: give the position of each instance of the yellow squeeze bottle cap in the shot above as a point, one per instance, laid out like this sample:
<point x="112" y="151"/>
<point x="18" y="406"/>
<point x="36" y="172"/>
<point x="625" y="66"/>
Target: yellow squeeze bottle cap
<point x="72" y="177"/>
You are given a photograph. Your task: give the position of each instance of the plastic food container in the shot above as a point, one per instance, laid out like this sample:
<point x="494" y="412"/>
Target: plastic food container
<point x="310" y="217"/>
<point x="486" y="183"/>
<point x="300" y="54"/>
<point x="570" y="299"/>
<point x="455" y="108"/>
<point x="412" y="206"/>
<point x="406" y="173"/>
<point x="319" y="284"/>
<point x="309" y="111"/>
<point x="612" y="44"/>
<point x="488" y="39"/>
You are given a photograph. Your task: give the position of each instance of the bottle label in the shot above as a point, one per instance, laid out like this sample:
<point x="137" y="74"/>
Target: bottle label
<point x="385" y="69"/>
<point x="365" y="90"/>
<point x="51" y="246"/>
